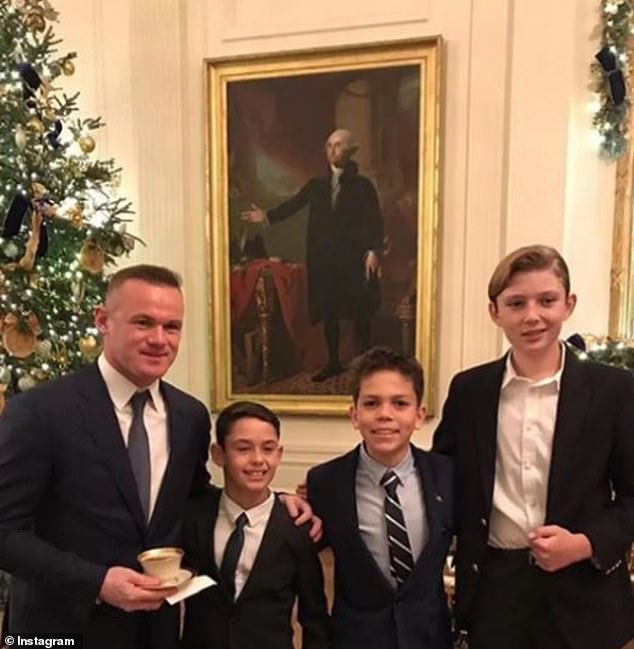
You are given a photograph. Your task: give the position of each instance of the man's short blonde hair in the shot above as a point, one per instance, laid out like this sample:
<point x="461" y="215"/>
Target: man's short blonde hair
<point x="525" y="259"/>
<point x="157" y="275"/>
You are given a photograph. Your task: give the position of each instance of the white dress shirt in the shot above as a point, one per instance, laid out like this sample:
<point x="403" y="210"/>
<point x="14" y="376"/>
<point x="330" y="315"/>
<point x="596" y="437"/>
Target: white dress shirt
<point x="335" y="184"/>
<point x="121" y="391"/>
<point x="258" y="516"/>
<point x="370" y="499"/>
<point x="525" y="429"/>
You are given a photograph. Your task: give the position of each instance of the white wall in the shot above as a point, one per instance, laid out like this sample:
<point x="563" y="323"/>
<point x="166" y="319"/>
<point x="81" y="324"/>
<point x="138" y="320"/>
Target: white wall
<point x="517" y="164"/>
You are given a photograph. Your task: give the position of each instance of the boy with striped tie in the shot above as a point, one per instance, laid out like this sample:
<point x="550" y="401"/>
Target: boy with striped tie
<point x="387" y="513"/>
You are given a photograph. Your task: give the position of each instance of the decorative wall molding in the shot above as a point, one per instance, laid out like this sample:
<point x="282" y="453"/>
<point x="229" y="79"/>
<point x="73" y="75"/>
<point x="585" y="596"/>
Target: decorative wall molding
<point x="251" y="19"/>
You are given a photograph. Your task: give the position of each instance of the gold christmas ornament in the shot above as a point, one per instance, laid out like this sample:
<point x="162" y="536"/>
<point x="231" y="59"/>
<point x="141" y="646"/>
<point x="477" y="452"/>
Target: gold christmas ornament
<point x="5" y="375"/>
<point x="86" y="143"/>
<point x="35" y="21"/>
<point x="89" y="347"/>
<point x="39" y="375"/>
<point x="43" y="349"/>
<point x="26" y="383"/>
<point x="68" y="67"/>
<point x="18" y="338"/>
<point x="34" y="124"/>
<point x="75" y="216"/>
<point x="92" y="257"/>
<point x="20" y="137"/>
<point x="38" y="190"/>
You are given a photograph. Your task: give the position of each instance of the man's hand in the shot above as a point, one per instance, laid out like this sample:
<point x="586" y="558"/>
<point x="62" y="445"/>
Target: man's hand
<point x="371" y="264"/>
<point x="127" y="589"/>
<point x="254" y="215"/>
<point x="555" y="548"/>
<point x="302" y="512"/>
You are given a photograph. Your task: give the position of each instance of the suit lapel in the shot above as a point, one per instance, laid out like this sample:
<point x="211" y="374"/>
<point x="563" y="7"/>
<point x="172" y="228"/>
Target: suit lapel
<point x="177" y="428"/>
<point x="346" y="490"/>
<point x="265" y="558"/>
<point x="432" y="500"/>
<point x="205" y="527"/>
<point x="574" y="397"/>
<point x="487" y="397"/>
<point x="103" y="426"/>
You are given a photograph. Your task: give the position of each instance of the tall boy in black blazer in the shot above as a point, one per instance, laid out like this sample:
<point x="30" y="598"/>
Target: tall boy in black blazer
<point x="387" y="513"/>
<point x="273" y="560"/>
<point x="544" y="448"/>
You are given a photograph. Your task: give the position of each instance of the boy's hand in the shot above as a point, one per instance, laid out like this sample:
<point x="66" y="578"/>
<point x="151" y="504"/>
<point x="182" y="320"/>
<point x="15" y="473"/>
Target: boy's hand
<point x="302" y="490"/>
<point x="555" y="548"/>
<point x="302" y="512"/>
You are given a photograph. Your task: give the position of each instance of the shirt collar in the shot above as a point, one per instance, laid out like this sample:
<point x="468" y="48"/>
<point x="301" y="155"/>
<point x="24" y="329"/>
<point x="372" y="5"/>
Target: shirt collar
<point x="376" y="470"/>
<point x="122" y="389"/>
<point x="510" y="375"/>
<point x="256" y="515"/>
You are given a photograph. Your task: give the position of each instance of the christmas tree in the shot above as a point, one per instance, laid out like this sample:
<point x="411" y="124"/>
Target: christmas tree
<point x="61" y="222"/>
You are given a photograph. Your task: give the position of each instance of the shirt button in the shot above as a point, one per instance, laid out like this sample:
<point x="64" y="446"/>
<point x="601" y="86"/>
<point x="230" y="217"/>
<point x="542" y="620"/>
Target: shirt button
<point x="475" y="567"/>
<point x="483" y="522"/>
<point x="527" y="465"/>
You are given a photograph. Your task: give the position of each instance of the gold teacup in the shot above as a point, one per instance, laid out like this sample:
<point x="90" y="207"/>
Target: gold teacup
<point x="163" y="563"/>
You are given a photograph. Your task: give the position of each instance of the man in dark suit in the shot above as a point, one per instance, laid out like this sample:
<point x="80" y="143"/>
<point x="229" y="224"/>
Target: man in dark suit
<point x="544" y="451"/>
<point x="344" y="240"/>
<point x="274" y="561"/>
<point x="75" y="509"/>
<point x="387" y="509"/>
<point x="96" y="467"/>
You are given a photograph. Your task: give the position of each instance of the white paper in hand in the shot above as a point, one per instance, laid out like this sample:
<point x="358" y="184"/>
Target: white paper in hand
<point x="192" y="587"/>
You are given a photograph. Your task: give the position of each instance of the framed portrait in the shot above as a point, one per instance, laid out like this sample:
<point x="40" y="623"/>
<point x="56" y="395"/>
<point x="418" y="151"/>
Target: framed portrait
<point x="323" y="181"/>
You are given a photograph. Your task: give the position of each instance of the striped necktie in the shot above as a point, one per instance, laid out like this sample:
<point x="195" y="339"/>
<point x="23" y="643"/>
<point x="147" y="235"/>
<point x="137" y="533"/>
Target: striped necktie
<point x="401" y="558"/>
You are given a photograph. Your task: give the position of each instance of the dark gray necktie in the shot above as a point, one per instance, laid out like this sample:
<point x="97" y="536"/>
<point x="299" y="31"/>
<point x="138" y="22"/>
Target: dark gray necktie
<point x="401" y="558"/>
<point x="139" y="450"/>
<point x="232" y="554"/>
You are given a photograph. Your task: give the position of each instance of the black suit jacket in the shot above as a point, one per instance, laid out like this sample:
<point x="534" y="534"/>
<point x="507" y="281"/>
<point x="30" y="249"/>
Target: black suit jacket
<point x="368" y="612"/>
<point x="590" y="490"/>
<point x="336" y="243"/>
<point x="69" y="507"/>
<point x="286" y="566"/>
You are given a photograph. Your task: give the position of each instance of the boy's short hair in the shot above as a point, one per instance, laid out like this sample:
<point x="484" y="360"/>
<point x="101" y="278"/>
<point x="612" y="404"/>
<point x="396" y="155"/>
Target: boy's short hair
<point x="239" y="410"/>
<point x="525" y="259"/>
<point x="157" y="275"/>
<point x="384" y="358"/>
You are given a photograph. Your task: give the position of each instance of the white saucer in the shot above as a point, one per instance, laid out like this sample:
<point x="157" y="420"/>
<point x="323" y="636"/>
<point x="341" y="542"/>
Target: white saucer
<point x="181" y="578"/>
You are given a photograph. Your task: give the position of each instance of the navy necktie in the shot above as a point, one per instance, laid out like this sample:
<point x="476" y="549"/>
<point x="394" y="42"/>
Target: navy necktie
<point x="232" y="554"/>
<point x="401" y="558"/>
<point x="139" y="450"/>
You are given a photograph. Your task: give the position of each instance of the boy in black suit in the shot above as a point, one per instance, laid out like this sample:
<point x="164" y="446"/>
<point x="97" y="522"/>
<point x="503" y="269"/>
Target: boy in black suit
<point x="245" y="540"/>
<point x="544" y="448"/>
<point x="387" y="513"/>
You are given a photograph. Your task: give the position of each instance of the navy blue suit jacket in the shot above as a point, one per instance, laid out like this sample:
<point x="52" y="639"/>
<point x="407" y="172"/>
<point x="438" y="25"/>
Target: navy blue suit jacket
<point x="368" y="612"/>
<point x="69" y="507"/>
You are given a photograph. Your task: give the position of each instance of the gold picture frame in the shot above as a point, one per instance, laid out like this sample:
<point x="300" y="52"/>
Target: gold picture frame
<point x="621" y="317"/>
<point x="267" y="120"/>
